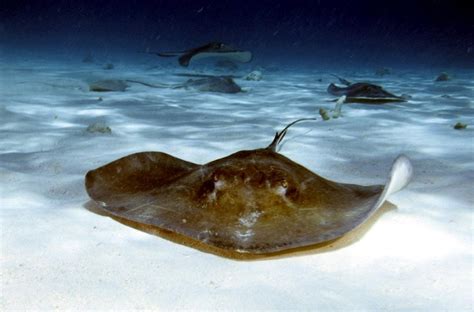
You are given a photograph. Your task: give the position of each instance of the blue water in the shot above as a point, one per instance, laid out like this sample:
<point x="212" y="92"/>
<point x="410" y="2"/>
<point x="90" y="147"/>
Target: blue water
<point x="321" y="34"/>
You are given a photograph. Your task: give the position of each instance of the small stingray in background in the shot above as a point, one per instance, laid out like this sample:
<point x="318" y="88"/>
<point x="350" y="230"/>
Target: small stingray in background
<point x="108" y="85"/>
<point x="221" y="84"/>
<point x="362" y="92"/>
<point x="443" y="77"/>
<point x="250" y="202"/>
<point x="212" y="49"/>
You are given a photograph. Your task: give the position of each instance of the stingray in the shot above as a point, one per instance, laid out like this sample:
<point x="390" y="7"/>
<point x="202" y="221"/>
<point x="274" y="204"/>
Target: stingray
<point x="362" y="92"/>
<point x="222" y="84"/>
<point x="195" y="75"/>
<point x="108" y="85"/>
<point x="250" y="202"/>
<point x="206" y="83"/>
<point x="212" y="49"/>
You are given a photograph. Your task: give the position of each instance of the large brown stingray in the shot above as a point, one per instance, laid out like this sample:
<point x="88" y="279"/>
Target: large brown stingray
<point x="254" y="201"/>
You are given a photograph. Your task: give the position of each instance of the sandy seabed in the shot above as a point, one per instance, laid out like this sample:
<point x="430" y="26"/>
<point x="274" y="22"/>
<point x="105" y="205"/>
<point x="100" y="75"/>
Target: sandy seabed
<point x="55" y="254"/>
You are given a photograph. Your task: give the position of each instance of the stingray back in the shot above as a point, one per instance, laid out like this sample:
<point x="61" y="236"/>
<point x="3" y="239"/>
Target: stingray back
<point x="251" y="201"/>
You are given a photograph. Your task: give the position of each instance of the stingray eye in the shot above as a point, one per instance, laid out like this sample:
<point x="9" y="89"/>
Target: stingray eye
<point x="292" y="193"/>
<point x="206" y="188"/>
<point x="215" y="177"/>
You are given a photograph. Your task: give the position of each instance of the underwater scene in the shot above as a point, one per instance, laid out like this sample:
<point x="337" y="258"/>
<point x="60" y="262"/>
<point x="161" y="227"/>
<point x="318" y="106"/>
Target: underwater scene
<point x="236" y="155"/>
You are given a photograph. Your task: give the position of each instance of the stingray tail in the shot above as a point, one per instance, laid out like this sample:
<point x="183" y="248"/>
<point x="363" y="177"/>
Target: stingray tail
<point x="167" y="54"/>
<point x="163" y="54"/>
<point x="342" y="80"/>
<point x="400" y="175"/>
<point x="280" y="135"/>
<point x="156" y="85"/>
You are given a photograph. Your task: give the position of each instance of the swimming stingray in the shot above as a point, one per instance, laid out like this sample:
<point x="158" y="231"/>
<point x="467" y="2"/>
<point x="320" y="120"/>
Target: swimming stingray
<point x="108" y="85"/>
<point x="363" y="92"/>
<point x="253" y="201"/>
<point x="206" y="83"/>
<point x="222" y="84"/>
<point x="212" y="49"/>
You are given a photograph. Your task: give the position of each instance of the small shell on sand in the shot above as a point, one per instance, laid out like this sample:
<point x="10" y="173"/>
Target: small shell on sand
<point x="98" y="127"/>
<point x="460" y="126"/>
<point x="324" y="114"/>
<point x="255" y="75"/>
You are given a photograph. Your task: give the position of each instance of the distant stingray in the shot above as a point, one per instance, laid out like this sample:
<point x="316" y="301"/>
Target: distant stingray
<point x="253" y="201"/>
<point x="195" y="75"/>
<point x="221" y="84"/>
<point x="108" y="85"/>
<point x="206" y="83"/>
<point x="213" y="49"/>
<point x="363" y="92"/>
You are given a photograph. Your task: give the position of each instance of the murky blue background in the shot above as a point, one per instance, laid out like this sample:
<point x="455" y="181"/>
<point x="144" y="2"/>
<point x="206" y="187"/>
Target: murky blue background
<point x="298" y="33"/>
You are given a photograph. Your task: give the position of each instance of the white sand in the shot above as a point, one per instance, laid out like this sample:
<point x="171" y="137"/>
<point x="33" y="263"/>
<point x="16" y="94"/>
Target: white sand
<point x="55" y="254"/>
